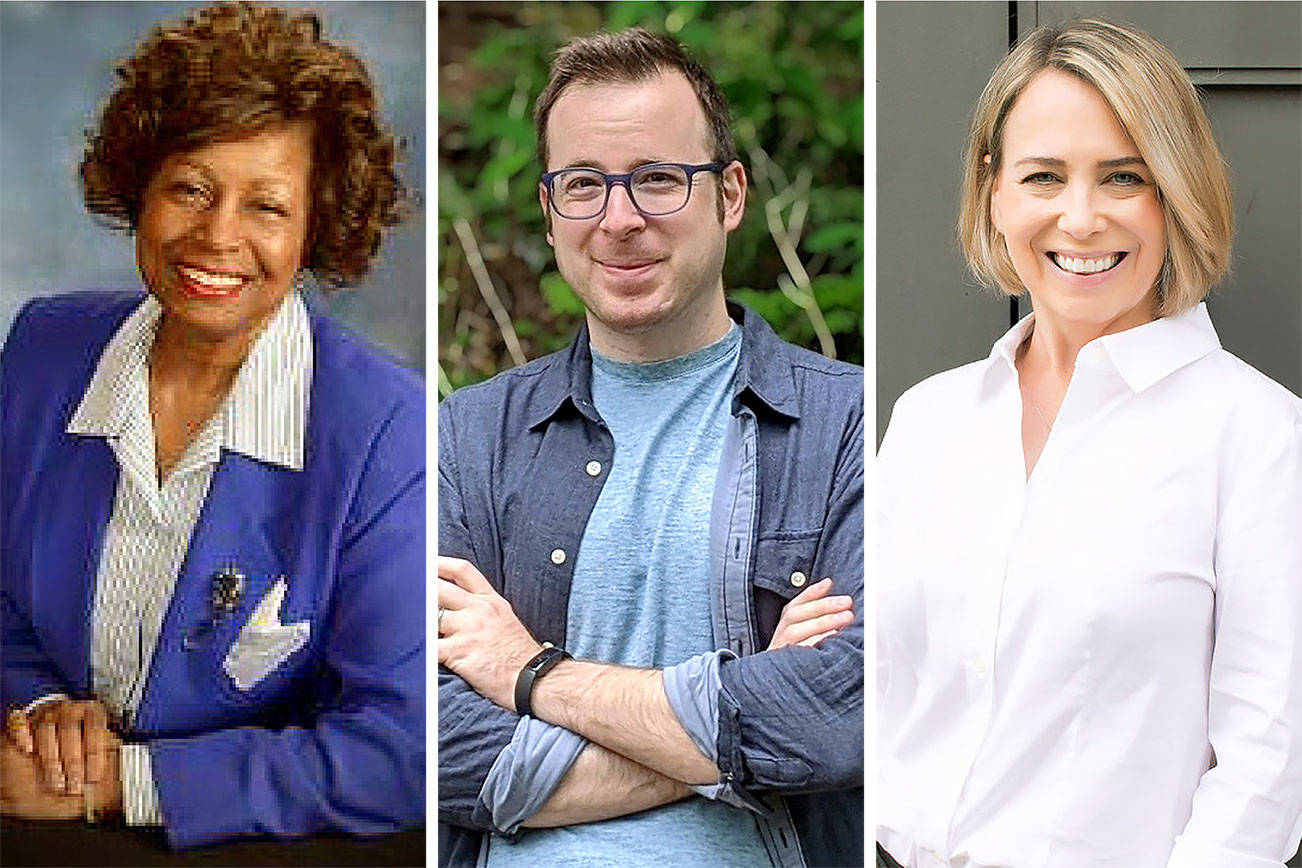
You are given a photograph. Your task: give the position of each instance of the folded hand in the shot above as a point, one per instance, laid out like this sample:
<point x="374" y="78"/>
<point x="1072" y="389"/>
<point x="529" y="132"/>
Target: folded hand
<point x="57" y="759"/>
<point x="70" y="740"/>
<point x="24" y="794"/>
<point x="811" y="616"/>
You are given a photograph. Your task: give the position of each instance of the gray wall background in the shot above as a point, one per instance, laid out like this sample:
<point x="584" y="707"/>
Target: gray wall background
<point x="933" y="59"/>
<point x="56" y="73"/>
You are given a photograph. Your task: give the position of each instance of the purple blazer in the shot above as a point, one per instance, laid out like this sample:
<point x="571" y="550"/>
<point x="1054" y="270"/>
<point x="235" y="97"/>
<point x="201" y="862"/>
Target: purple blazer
<point x="333" y="738"/>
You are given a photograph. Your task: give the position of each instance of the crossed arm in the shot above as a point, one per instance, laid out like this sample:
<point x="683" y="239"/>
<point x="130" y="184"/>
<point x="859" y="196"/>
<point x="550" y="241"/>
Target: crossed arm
<point x="639" y="756"/>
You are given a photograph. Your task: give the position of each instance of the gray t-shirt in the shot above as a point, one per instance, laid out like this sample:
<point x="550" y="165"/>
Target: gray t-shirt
<point x="641" y="592"/>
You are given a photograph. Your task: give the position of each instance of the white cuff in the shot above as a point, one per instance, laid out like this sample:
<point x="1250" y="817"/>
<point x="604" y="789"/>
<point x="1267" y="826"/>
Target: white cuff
<point x="140" y="805"/>
<point x="42" y="700"/>
<point x="1191" y="853"/>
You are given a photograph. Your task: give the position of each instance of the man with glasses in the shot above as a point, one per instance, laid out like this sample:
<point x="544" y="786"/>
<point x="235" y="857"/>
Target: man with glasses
<point x="651" y="584"/>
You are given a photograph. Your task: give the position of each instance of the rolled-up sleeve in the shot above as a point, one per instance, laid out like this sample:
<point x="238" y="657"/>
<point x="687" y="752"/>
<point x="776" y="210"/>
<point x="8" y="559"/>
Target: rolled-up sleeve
<point x="693" y="690"/>
<point x="1247" y="809"/>
<point x="528" y="771"/>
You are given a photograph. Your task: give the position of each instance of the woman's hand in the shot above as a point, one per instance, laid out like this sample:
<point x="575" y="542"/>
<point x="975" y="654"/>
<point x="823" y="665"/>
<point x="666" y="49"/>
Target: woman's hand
<point x="24" y="790"/>
<point x="811" y="616"/>
<point x="70" y="742"/>
<point x="23" y="793"/>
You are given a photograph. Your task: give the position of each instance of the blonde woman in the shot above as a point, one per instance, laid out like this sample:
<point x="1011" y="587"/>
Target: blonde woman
<point x="1090" y="543"/>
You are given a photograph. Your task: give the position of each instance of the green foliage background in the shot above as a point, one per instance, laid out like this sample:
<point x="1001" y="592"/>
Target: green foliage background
<point x="793" y="75"/>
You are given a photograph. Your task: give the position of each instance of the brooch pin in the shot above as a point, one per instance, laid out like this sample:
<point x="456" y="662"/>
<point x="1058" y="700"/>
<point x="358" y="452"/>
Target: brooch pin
<point x="227" y="589"/>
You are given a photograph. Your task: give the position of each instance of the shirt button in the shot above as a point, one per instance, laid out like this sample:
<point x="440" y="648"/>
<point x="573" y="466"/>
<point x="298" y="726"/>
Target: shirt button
<point x="558" y="556"/>
<point x="979" y="666"/>
<point x="593" y="468"/>
<point x="798" y="579"/>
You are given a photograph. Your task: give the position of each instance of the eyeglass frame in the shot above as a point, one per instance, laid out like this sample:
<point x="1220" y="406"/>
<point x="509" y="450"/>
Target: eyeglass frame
<point x="626" y="178"/>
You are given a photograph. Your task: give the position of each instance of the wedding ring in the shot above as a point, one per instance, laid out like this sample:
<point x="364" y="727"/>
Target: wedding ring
<point x="90" y="815"/>
<point x="439" y="623"/>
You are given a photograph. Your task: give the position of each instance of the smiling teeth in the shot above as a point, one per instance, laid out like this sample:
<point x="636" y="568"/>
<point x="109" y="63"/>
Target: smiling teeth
<point x="1085" y="266"/>
<point x="208" y="279"/>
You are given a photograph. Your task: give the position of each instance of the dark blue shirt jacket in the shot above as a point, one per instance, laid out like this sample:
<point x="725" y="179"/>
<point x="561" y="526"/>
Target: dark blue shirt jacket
<point x="789" y="498"/>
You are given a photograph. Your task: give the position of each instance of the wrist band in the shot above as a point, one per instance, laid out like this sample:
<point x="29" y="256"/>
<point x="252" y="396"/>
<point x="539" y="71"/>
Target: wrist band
<point x="536" y="668"/>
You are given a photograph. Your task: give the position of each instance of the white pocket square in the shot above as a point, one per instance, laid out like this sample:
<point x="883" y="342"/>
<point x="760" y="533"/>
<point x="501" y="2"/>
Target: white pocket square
<point x="264" y="642"/>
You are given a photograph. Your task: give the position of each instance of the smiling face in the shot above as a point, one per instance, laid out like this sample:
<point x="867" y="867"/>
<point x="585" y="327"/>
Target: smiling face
<point x="222" y="232"/>
<point x="652" y="286"/>
<point x="1078" y="209"/>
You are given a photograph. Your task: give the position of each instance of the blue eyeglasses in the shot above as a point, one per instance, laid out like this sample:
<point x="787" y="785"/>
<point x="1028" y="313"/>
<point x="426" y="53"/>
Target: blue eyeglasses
<point x="655" y="189"/>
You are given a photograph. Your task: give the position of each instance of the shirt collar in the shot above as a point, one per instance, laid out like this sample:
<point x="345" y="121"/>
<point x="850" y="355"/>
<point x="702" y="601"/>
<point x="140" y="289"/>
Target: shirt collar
<point x="1151" y="352"/>
<point x="105" y="408"/>
<point x="263" y="417"/>
<point x="1142" y="355"/>
<point x="763" y="373"/>
<point x="1005" y="349"/>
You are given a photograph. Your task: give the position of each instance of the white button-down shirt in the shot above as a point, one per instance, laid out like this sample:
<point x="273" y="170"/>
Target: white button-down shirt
<point x="264" y="416"/>
<point x="1061" y="658"/>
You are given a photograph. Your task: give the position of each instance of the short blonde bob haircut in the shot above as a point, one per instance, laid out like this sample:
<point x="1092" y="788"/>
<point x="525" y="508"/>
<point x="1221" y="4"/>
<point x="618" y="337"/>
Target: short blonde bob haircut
<point x="1158" y="108"/>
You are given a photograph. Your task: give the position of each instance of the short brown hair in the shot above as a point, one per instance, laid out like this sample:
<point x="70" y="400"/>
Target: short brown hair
<point x="629" y="56"/>
<point x="1157" y="106"/>
<point x="234" y="69"/>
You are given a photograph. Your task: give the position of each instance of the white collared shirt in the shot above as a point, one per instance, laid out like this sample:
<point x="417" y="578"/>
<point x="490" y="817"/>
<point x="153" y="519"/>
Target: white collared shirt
<point x="264" y="417"/>
<point x="1059" y="656"/>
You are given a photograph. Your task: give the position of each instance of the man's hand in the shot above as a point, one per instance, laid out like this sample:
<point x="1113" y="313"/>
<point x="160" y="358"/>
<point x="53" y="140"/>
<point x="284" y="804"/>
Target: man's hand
<point x="811" y="616"/>
<point x="480" y="638"/>
<point x="69" y="740"/>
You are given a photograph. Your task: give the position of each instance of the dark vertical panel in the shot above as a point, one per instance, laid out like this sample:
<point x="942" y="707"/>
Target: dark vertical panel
<point x="1014" y="309"/>
<point x="933" y="59"/>
<point x="1258" y="308"/>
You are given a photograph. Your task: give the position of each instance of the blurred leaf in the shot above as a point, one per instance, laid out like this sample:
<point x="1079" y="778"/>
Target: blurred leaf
<point x="773" y="305"/>
<point x="835" y="237"/>
<point x="505" y="166"/>
<point x="634" y="13"/>
<point x="839" y="296"/>
<point x="452" y="199"/>
<point x="558" y="295"/>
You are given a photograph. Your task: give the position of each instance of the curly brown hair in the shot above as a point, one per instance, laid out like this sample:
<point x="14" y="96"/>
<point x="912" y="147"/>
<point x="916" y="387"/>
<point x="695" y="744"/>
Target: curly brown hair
<point x="233" y="69"/>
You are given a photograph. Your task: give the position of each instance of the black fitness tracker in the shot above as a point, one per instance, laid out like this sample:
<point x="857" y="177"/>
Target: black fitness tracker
<point x="536" y="668"/>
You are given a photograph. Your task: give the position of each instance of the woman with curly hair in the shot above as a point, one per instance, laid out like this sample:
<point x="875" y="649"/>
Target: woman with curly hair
<point x="212" y="498"/>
